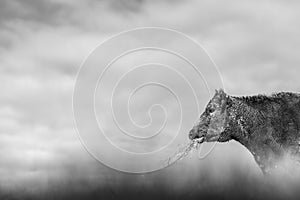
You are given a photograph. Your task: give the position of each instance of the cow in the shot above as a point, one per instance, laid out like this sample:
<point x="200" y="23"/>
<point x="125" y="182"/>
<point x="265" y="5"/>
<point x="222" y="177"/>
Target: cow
<point x="268" y="126"/>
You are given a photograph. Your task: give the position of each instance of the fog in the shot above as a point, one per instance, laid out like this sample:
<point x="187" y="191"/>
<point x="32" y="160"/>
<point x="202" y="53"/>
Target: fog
<point x="254" y="44"/>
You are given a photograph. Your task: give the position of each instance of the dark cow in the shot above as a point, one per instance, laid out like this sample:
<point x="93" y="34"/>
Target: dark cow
<point x="268" y="126"/>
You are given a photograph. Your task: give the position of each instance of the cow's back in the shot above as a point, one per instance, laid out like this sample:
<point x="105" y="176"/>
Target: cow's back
<point x="286" y="120"/>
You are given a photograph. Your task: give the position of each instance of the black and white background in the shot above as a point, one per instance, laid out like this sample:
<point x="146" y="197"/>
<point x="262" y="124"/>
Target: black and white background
<point x="255" y="45"/>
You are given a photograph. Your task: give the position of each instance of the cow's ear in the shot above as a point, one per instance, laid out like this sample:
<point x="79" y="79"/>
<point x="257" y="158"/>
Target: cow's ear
<point x="221" y="91"/>
<point x="216" y="96"/>
<point x="223" y="99"/>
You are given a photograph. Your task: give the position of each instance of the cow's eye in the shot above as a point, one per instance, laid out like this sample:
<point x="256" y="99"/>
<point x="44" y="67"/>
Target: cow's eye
<point x="210" y="110"/>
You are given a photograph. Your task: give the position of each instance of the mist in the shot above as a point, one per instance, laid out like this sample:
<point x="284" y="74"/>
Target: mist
<point x="254" y="44"/>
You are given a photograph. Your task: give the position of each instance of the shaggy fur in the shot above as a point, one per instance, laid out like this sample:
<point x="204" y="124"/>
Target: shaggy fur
<point x="268" y="126"/>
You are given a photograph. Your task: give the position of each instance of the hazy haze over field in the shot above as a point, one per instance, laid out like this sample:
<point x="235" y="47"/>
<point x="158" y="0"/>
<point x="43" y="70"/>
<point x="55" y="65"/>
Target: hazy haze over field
<point x="255" y="44"/>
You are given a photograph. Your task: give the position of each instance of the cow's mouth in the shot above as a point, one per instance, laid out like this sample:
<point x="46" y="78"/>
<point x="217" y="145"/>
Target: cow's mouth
<point x="209" y="136"/>
<point x="197" y="137"/>
<point x="199" y="140"/>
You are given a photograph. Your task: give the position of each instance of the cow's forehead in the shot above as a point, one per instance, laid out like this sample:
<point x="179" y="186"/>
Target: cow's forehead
<point x="210" y="104"/>
<point x="213" y="102"/>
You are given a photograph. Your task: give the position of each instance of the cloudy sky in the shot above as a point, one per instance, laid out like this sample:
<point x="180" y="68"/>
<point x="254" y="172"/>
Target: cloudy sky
<point x="255" y="45"/>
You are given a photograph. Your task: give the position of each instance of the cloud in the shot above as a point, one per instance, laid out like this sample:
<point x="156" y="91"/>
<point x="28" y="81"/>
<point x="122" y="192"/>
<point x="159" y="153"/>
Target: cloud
<point x="42" y="44"/>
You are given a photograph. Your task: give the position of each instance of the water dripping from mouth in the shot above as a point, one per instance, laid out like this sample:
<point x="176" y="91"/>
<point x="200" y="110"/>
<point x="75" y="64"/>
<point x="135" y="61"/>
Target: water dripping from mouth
<point x="184" y="150"/>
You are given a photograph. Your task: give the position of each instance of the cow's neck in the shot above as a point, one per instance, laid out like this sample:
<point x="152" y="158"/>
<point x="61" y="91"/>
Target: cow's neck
<point x="247" y="126"/>
<point x="242" y="118"/>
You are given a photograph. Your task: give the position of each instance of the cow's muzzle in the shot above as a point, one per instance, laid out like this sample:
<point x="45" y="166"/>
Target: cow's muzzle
<point x="196" y="134"/>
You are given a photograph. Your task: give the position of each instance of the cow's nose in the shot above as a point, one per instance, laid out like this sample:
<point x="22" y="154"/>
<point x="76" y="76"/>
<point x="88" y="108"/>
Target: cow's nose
<point x="192" y="134"/>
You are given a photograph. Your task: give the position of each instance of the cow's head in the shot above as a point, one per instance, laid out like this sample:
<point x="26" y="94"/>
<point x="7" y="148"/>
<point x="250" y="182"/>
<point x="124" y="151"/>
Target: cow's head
<point x="213" y="120"/>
